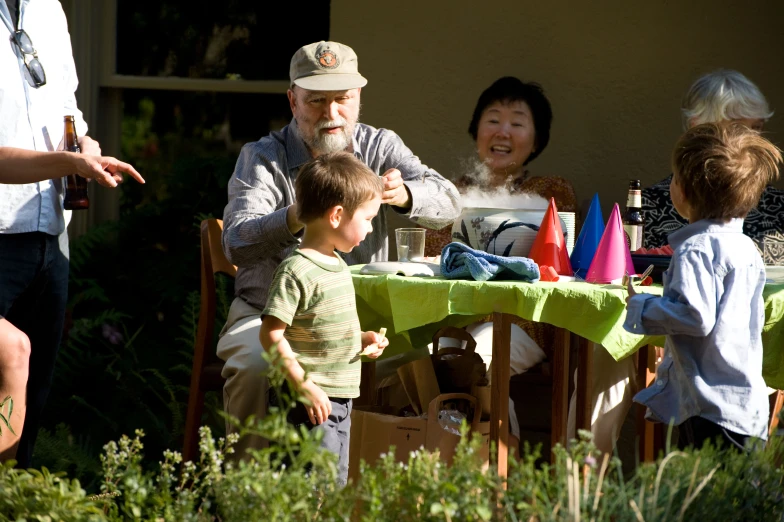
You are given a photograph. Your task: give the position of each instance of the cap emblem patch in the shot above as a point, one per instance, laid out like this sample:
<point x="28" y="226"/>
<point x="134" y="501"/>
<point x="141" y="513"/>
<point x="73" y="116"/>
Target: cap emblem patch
<point x="327" y="59"/>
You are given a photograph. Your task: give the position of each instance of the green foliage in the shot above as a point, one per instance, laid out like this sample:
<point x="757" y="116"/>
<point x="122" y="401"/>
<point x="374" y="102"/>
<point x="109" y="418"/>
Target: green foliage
<point x="424" y="488"/>
<point x="293" y="480"/>
<point x="69" y="453"/>
<point x="43" y="496"/>
<point x="6" y="409"/>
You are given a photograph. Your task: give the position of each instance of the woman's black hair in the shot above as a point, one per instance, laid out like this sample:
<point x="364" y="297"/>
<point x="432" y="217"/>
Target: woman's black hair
<point x="510" y="89"/>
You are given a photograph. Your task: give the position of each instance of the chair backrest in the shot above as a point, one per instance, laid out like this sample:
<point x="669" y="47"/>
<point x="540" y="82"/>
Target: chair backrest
<point x="213" y="261"/>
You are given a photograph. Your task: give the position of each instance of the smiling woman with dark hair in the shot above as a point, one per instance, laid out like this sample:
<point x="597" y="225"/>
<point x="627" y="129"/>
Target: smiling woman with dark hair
<point x="525" y="100"/>
<point x="511" y="127"/>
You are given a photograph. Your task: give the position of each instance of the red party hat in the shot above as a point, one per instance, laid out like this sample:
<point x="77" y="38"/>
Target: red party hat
<point x="549" y="246"/>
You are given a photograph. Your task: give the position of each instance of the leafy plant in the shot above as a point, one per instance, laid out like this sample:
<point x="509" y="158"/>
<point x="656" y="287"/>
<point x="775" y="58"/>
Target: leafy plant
<point x="294" y="480"/>
<point x="41" y="495"/>
<point x="6" y="404"/>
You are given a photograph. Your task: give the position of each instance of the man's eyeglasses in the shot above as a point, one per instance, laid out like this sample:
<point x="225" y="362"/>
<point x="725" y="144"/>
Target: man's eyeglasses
<point x="34" y="67"/>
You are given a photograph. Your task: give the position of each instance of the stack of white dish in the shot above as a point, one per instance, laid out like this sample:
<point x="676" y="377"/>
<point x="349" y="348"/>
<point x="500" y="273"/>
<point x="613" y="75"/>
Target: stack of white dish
<point x="569" y="232"/>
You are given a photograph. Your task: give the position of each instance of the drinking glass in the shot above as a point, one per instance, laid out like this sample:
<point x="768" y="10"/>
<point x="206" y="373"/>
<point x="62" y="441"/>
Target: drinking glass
<point x="410" y="244"/>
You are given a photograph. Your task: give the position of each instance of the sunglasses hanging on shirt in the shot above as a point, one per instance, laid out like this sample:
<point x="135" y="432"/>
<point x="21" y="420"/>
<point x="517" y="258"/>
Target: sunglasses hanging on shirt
<point x="22" y="40"/>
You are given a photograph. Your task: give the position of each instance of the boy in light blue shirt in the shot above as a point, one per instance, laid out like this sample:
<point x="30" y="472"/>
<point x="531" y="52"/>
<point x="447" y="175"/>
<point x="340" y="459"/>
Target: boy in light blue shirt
<point x="709" y="382"/>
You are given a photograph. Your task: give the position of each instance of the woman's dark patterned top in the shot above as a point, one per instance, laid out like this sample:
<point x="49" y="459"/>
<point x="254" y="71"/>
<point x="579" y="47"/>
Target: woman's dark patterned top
<point x="764" y="224"/>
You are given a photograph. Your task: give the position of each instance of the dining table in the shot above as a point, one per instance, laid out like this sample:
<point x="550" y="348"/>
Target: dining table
<point x="414" y="308"/>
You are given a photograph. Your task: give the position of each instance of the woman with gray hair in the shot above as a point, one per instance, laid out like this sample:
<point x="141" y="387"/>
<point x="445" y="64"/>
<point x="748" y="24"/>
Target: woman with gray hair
<point x="718" y="96"/>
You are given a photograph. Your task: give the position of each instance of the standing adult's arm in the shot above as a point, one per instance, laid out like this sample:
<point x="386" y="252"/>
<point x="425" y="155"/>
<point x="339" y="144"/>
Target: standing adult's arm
<point x="435" y="201"/>
<point x="254" y="221"/>
<point x="20" y="166"/>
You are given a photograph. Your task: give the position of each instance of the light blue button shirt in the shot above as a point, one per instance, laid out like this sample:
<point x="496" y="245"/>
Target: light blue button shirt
<point x="712" y="313"/>
<point x="32" y="118"/>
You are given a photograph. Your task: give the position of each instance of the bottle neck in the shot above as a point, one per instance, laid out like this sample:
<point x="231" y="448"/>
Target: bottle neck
<point x="70" y="141"/>
<point x="634" y="199"/>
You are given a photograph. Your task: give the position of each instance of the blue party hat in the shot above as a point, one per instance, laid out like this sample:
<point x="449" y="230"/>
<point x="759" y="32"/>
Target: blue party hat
<point x="588" y="240"/>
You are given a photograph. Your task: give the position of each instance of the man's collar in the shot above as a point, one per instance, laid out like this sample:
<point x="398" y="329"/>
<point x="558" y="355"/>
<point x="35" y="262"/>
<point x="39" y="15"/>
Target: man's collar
<point x="355" y="143"/>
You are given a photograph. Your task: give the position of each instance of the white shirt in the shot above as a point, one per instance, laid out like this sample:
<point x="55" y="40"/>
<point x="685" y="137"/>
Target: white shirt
<point x="32" y="118"/>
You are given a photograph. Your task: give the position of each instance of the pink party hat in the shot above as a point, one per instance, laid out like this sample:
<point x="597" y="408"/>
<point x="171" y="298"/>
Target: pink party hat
<point x="612" y="259"/>
<point x="549" y="246"/>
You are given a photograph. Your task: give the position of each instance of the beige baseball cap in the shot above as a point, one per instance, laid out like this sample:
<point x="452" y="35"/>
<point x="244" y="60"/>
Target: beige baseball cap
<point x="326" y="66"/>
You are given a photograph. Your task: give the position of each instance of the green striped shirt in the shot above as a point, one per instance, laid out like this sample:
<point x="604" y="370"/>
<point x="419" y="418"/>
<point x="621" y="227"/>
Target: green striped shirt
<point x="317" y="301"/>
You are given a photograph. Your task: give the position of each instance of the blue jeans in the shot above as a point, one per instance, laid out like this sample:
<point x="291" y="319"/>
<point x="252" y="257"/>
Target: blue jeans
<point x="337" y="428"/>
<point x="33" y="295"/>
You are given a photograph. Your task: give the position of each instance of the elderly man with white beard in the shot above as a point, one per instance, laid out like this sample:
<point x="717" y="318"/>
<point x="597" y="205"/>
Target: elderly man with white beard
<point x="260" y="224"/>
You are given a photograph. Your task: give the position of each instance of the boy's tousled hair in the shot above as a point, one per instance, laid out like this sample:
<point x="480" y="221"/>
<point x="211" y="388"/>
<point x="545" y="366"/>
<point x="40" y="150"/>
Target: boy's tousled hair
<point x="337" y="178"/>
<point x="723" y="168"/>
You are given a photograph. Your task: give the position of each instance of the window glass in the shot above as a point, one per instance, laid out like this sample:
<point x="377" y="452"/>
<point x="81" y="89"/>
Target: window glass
<point x="189" y="142"/>
<point x="229" y="39"/>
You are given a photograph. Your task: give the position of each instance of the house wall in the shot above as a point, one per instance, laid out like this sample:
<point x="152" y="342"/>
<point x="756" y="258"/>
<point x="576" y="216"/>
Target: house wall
<point x="614" y="71"/>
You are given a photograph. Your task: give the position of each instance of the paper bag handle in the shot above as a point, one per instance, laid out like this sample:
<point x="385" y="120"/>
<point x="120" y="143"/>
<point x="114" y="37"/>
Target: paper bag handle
<point x="454" y="333"/>
<point x="435" y="405"/>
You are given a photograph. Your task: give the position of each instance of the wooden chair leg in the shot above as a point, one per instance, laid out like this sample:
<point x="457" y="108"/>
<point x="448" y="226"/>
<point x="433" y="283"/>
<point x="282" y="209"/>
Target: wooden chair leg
<point x="499" y="390"/>
<point x="560" y="388"/>
<point x="190" y="447"/>
<point x="367" y="385"/>
<point x="777" y="403"/>
<point x="584" y="397"/>
<point x="651" y="435"/>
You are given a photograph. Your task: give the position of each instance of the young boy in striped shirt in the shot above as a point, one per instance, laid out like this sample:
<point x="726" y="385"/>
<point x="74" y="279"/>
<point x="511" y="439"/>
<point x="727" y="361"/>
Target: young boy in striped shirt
<point x="310" y="320"/>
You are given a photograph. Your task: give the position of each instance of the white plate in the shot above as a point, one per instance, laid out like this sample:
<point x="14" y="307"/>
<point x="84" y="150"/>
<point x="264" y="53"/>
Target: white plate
<point x="404" y="269"/>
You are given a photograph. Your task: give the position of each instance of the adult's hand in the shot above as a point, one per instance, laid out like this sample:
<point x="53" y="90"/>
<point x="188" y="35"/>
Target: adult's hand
<point x="395" y="192"/>
<point x="106" y="170"/>
<point x="89" y="146"/>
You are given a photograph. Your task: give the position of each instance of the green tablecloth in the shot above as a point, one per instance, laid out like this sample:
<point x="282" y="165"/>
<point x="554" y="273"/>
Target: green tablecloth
<point x="413" y="308"/>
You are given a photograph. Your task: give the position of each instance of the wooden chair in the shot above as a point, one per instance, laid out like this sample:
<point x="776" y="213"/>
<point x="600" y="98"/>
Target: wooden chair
<point x="206" y="374"/>
<point x="651" y="435"/>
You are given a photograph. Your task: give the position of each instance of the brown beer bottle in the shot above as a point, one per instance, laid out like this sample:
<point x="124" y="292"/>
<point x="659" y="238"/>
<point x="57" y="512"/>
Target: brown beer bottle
<point x="75" y="185"/>
<point x="632" y="217"/>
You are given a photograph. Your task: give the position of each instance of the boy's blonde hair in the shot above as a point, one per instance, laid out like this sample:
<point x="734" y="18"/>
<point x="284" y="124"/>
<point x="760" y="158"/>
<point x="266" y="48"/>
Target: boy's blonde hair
<point x="723" y="168"/>
<point x="337" y="178"/>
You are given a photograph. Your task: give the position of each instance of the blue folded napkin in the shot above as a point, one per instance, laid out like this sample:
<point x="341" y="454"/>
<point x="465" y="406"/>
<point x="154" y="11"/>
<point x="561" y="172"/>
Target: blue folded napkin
<point x="459" y="261"/>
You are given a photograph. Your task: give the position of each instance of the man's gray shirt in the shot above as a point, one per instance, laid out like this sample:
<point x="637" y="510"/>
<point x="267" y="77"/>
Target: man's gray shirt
<point x="255" y="235"/>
